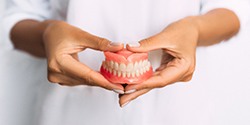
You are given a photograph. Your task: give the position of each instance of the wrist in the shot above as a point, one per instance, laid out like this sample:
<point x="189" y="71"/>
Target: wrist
<point x="43" y="26"/>
<point x="193" y="22"/>
<point x="46" y="28"/>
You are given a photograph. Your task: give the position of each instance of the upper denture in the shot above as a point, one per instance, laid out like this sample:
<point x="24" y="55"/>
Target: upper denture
<point x="126" y="67"/>
<point x="125" y="56"/>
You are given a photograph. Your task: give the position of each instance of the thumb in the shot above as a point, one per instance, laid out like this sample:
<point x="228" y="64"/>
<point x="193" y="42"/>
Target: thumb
<point x="145" y="45"/>
<point x="102" y="44"/>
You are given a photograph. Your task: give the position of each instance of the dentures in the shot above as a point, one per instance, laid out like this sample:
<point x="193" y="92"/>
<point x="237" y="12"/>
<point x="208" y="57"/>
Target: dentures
<point x="126" y="67"/>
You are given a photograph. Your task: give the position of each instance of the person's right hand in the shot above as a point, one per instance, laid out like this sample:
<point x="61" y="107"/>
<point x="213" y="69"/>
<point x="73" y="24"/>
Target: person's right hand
<point x="62" y="43"/>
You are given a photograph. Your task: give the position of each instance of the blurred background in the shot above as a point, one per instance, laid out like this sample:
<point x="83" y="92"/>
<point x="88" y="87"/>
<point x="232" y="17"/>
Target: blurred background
<point x="1" y="6"/>
<point x="227" y="103"/>
<point x="18" y="95"/>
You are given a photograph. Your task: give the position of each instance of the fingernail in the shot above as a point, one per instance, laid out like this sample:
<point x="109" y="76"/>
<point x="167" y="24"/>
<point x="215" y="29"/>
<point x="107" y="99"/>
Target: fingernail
<point x="118" y="91"/>
<point x="130" y="91"/>
<point x="115" y="43"/>
<point x="125" y="104"/>
<point x="134" y="44"/>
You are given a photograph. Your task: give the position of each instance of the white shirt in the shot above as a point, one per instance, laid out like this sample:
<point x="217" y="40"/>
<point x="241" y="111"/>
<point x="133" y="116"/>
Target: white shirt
<point x="129" y="21"/>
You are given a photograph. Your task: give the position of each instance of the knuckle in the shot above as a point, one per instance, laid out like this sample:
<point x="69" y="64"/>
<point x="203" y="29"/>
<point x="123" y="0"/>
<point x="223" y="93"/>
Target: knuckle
<point x="86" y="77"/>
<point x="187" y="79"/>
<point x="191" y="70"/>
<point x="52" y="78"/>
<point x="53" y="66"/>
<point x="189" y="74"/>
<point x="102" y="43"/>
<point x="145" y="42"/>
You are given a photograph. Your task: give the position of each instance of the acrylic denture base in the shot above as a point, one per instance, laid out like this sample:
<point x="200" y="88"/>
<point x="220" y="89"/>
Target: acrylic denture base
<point x="126" y="67"/>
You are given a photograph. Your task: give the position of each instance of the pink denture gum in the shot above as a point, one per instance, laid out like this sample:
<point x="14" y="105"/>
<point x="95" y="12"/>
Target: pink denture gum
<point x="126" y="67"/>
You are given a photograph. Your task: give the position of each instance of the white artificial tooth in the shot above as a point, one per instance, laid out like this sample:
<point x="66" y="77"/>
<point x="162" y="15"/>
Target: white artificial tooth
<point x="144" y="63"/>
<point x="128" y="74"/>
<point x="141" y="71"/>
<point x="111" y="64"/>
<point x="135" y="66"/>
<point x="144" y="69"/>
<point x="133" y="74"/>
<point x="108" y="63"/>
<point x="116" y="66"/>
<point x="110" y="70"/>
<point x="119" y="73"/>
<point x="122" y="67"/>
<point x="140" y="64"/>
<point x="130" y="67"/>
<point x="114" y="72"/>
<point x="147" y="68"/>
<point x="137" y="73"/>
<point x="124" y="74"/>
<point x="149" y="64"/>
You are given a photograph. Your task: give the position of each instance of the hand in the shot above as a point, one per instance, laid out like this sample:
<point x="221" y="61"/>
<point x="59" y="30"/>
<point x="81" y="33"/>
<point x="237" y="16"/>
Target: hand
<point x="178" y="43"/>
<point x="62" y="43"/>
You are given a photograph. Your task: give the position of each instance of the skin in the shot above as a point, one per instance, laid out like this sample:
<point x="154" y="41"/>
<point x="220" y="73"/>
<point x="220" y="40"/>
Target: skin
<point x="60" y="42"/>
<point x="178" y="42"/>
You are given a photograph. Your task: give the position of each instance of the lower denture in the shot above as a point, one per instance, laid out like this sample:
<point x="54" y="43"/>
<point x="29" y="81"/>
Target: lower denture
<point x="126" y="67"/>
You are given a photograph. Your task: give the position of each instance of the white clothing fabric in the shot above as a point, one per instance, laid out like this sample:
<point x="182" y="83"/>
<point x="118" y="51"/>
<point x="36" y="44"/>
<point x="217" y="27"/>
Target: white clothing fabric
<point x="214" y="96"/>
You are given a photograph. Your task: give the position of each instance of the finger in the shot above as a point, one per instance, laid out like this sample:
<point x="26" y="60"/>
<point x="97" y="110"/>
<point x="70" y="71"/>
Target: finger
<point x="63" y="80"/>
<point x="125" y="99"/>
<point x="164" y="77"/>
<point x="76" y="69"/>
<point x="98" y="43"/>
<point x="149" y="44"/>
<point x="162" y="67"/>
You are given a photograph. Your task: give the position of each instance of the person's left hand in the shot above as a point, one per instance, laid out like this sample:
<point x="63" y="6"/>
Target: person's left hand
<point x="178" y="42"/>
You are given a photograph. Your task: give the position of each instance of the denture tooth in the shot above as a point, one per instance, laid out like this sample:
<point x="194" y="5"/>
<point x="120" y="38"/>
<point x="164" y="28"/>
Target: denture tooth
<point x="133" y="74"/>
<point x="110" y="70"/>
<point x="116" y="66"/>
<point x="128" y="74"/>
<point x="137" y="73"/>
<point x="141" y="71"/>
<point x="144" y="69"/>
<point x="114" y="72"/>
<point x="111" y="64"/>
<point x="135" y="66"/>
<point x="129" y="67"/>
<point x="108" y="63"/>
<point x="144" y="63"/>
<point x="147" y="68"/>
<point x="124" y="74"/>
<point x="122" y="67"/>
<point x="119" y="73"/>
<point x="140" y="64"/>
<point x="149" y="64"/>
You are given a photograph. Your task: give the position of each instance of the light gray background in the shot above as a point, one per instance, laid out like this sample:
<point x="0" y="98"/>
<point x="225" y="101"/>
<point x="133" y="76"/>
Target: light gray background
<point x="15" y="107"/>
<point x="15" y="110"/>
